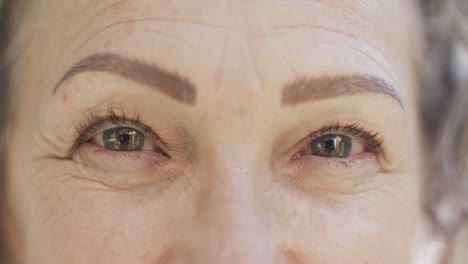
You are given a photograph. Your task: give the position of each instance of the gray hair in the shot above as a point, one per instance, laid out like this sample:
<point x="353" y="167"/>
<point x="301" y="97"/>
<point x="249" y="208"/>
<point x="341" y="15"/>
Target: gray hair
<point x="445" y="114"/>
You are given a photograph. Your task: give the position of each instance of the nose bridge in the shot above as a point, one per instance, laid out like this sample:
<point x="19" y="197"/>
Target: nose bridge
<point x="234" y="222"/>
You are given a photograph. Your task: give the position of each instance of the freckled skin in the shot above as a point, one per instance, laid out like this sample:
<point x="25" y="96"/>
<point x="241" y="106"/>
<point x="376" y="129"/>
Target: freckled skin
<point x="230" y="191"/>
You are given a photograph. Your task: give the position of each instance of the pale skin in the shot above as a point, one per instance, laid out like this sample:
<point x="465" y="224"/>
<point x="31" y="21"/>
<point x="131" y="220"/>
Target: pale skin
<point x="231" y="187"/>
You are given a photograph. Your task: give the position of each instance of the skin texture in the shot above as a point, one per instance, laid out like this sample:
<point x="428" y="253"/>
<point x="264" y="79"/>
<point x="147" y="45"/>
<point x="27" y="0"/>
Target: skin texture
<point x="230" y="191"/>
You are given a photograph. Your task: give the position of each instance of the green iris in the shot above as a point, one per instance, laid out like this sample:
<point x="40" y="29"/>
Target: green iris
<point x="332" y="146"/>
<point x="123" y="139"/>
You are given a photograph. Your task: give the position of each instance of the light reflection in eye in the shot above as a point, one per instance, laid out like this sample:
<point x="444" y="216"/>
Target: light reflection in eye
<point x="123" y="139"/>
<point x="332" y="146"/>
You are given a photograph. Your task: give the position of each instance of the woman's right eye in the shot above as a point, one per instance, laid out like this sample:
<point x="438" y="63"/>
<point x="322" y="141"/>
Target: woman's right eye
<point x="122" y="139"/>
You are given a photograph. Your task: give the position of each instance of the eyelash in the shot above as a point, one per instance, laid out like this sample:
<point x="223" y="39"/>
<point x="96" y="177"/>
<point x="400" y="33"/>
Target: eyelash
<point x="371" y="140"/>
<point x="95" y="123"/>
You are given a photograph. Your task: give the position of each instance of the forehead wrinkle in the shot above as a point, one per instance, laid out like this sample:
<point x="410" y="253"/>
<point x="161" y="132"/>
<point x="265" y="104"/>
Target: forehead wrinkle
<point x="347" y="24"/>
<point x="340" y="6"/>
<point x="169" y="35"/>
<point x="164" y="10"/>
<point x="357" y="42"/>
<point x="159" y="12"/>
<point x="343" y="25"/>
<point x="102" y="11"/>
<point x="361" y="18"/>
<point x="364" y="37"/>
<point x="130" y="22"/>
<point x="359" y="11"/>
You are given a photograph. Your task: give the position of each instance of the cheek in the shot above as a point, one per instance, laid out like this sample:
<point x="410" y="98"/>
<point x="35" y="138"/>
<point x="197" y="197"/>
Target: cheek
<point x="79" y="222"/>
<point x="374" y="226"/>
<point x="71" y="220"/>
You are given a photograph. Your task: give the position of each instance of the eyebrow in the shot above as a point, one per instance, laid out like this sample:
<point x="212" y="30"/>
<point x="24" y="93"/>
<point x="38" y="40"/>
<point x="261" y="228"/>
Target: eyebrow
<point x="320" y="88"/>
<point x="169" y="83"/>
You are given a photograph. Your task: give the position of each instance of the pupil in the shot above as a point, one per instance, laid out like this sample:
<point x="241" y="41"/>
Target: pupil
<point x="124" y="137"/>
<point x="330" y="144"/>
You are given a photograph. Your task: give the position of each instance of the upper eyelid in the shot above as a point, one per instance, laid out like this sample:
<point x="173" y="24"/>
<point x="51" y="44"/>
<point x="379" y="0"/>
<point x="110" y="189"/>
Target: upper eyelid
<point x="353" y="130"/>
<point x="96" y="124"/>
<point x="100" y="124"/>
<point x="336" y="127"/>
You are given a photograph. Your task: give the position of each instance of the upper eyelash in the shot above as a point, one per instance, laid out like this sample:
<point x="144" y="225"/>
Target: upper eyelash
<point x="95" y="123"/>
<point x="372" y="140"/>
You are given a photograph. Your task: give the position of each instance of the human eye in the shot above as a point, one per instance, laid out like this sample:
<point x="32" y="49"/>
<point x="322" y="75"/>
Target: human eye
<point x="118" y="133"/>
<point x="114" y="147"/>
<point x="122" y="139"/>
<point x="340" y="142"/>
<point x="336" y="158"/>
<point x="334" y="146"/>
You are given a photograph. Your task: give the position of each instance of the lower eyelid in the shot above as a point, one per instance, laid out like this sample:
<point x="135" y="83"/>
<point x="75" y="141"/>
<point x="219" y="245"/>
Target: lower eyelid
<point x="312" y="173"/>
<point x="124" y="171"/>
<point x="103" y="159"/>
<point x="356" y="160"/>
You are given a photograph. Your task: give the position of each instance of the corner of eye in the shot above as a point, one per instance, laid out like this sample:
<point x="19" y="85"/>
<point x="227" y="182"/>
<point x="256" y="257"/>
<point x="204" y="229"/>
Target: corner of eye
<point x="390" y="162"/>
<point x="53" y="144"/>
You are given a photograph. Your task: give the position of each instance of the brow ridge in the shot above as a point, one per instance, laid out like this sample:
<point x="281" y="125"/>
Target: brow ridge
<point x="304" y="89"/>
<point x="169" y="83"/>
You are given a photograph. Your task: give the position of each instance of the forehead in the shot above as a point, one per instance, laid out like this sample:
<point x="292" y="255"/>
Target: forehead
<point x="232" y="44"/>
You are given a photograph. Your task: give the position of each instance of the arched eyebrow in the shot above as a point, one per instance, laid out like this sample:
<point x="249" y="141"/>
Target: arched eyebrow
<point x="168" y="83"/>
<point x="181" y="89"/>
<point x="320" y="88"/>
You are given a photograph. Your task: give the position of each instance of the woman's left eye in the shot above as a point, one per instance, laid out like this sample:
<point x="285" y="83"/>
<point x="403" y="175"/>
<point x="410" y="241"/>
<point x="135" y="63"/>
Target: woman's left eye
<point x="335" y="146"/>
<point x="121" y="139"/>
